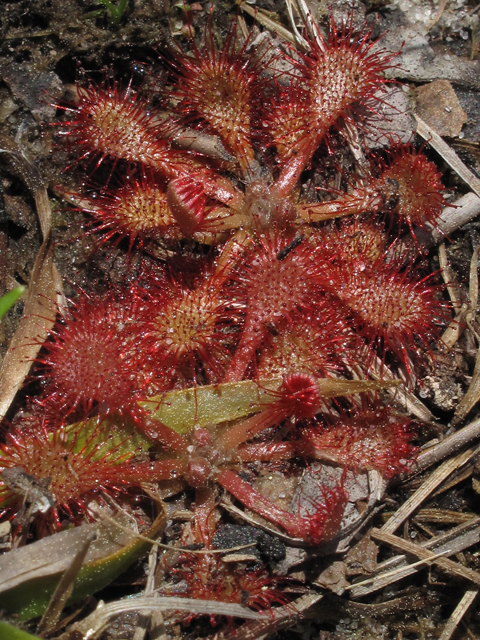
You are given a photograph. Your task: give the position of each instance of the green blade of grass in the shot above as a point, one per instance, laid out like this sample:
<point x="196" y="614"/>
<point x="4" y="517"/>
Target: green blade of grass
<point x="116" y="13"/>
<point x="9" y="632"/>
<point x="9" y="299"/>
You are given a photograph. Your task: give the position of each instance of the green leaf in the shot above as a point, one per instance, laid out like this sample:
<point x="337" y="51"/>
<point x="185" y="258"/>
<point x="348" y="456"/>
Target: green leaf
<point x="9" y="632"/>
<point x="30" y="597"/>
<point x="98" y="440"/>
<point x="9" y="299"/>
<point x="189" y="409"/>
<point x="116" y="13"/>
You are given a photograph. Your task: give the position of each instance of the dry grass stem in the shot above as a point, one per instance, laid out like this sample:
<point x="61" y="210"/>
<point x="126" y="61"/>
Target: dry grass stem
<point x="448" y="276"/>
<point x="262" y="18"/>
<point x="437" y="16"/>
<point x="397" y="572"/>
<point x="460" y="610"/>
<point x="430" y="484"/>
<point x="153" y="621"/>
<point x="448" y="154"/>
<point x="472" y="396"/>
<point x="64" y="589"/>
<point x="457" y="476"/>
<point x="451" y="542"/>
<point x="109" y="519"/>
<point x="443" y="516"/>
<point x="401" y="395"/>
<point x="473" y="282"/>
<point x="450" y="445"/>
<point x="95" y="624"/>
<point x="456" y="327"/>
<point x="446" y="564"/>
<point x="284" y="617"/>
<point x="300" y="41"/>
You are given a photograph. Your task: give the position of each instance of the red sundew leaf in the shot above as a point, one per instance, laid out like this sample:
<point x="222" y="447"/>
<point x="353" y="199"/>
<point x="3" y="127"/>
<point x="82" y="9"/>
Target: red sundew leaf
<point x="186" y="201"/>
<point x="71" y="464"/>
<point x="319" y="342"/>
<point x="192" y="329"/>
<point x="218" y="87"/>
<point x="271" y="289"/>
<point x="320" y="524"/>
<point x="419" y="192"/>
<point x="367" y="439"/>
<point x="396" y="308"/>
<point x="138" y="210"/>
<point x="110" y="122"/>
<point x="407" y="186"/>
<point x="95" y="357"/>
<point x="334" y="78"/>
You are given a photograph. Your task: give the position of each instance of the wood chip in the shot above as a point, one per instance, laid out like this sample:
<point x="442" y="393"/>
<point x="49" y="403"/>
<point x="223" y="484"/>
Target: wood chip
<point x="438" y="105"/>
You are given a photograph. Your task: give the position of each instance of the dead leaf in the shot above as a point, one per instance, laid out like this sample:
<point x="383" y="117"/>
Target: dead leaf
<point x="45" y="290"/>
<point x="438" y="106"/>
<point x="64" y="589"/>
<point x="39" y="315"/>
<point x="333" y="578"/>
<point x="21" y="165"/>
<point x="362" y="557"/>
<point x="53" y="555"/>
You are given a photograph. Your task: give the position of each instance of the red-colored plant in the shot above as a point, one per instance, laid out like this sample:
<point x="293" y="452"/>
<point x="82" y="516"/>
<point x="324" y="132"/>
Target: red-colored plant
<point x="369" y="438"/>
<point x="276" y="282"/>
<point x="207" y="577"/>
<point x="136" y="211"/>
<point x="57" y="472"/>
<point x="327" y="84"/>
<point x="189" y="329"/>
<point x="93" y="358"/>
<point x="217" y="89"/>
<point x="408" y="186"/>
<point x="116" y="123"/>
<point x="396" y="307"/>
<point x="281" y="303"/>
